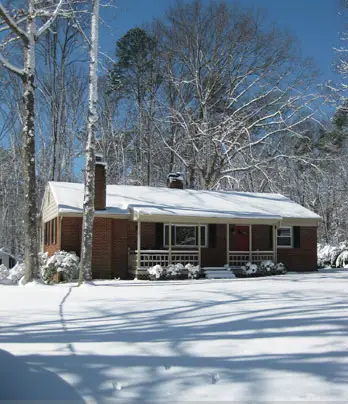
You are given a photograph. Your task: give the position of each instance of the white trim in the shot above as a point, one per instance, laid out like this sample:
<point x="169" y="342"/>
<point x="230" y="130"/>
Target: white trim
<point x="196" y="226"/>
<point x="291" y="237"/>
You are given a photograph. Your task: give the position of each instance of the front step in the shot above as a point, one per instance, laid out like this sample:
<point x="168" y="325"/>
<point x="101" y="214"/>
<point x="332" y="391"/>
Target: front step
<point x="218" y="273"/>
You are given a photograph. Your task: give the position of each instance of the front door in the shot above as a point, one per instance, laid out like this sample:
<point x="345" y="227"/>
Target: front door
<point x="242" y="238"/>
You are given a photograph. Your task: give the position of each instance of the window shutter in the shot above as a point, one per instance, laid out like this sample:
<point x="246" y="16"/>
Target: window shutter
<point x="270" y="240"/>
<point x="297" y="237"/>
<point x="159" y="235"/>
<point x="212" y="235"/>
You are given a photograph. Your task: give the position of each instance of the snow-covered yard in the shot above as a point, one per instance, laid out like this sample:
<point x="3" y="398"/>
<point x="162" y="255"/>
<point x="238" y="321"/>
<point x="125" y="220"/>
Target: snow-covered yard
<point x="278" y="338"/>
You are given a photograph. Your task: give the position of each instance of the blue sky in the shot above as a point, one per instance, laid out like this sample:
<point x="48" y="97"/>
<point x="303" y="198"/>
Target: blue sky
<point x="315" y="23"/>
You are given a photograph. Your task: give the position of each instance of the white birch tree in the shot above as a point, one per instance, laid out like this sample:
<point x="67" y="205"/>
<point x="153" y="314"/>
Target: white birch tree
<point x="89" y="189"/>
<point x="23" y="26"/>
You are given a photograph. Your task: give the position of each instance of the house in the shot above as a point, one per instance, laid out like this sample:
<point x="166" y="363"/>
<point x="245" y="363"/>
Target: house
<point x="7" y="259"/>
<point x="138" y="227"/>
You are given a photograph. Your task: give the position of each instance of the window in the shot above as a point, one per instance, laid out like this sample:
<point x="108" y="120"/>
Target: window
<point x="47" y="233"/>
<point x="51" y="232"/>
<point x="54" y="231"/>
<point x="284" y="237"/>
<point x="184" y="235"/>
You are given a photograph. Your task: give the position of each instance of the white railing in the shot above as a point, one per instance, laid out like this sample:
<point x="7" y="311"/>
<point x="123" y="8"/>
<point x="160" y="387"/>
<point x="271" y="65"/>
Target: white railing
<point x="150" y="258"/>
<point x="239" y="258"/>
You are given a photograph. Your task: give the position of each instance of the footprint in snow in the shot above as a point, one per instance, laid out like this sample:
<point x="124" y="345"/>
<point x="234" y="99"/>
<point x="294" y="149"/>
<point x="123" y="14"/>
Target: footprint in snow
<point x="215" y="377"/>
<point x="117" y="386"/>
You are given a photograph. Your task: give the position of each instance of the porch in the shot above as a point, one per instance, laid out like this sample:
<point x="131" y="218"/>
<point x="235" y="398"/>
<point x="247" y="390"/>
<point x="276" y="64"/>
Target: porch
<point x="221" y="245"/>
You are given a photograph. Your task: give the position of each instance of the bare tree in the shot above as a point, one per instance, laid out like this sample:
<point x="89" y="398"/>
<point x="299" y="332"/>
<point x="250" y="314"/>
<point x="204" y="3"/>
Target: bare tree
<point x="236" y="87"/>
<point x="23" y="26"/>
<point x="89" y="189"/>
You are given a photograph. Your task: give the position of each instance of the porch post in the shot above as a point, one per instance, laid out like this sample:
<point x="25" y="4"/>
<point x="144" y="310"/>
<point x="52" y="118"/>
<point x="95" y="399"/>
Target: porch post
<point x="199" y="245"/>
<point x="170" y="244"/>
<point x="228" y="244"/>
<point x="274" y="244"/>
<point x="250" y="243"/>
<point x="138" y="248"/>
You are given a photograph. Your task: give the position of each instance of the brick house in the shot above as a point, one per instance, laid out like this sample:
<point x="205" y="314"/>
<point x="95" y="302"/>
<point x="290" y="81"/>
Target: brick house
<point x="137" y="227"/>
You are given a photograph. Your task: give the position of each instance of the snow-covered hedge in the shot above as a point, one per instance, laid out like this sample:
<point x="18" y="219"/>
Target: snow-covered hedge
<point x="60" y="266"/>
<point x="265" y="268"/>
<point x="13" y="275"/>
<point x="174" y="271"/>
<point x="334" y="256"/>
<point x="4" y="272"/>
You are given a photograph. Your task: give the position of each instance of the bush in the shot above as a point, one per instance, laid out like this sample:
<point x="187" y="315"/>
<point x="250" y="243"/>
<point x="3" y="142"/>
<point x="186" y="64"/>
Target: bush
<point x="266" y="268"/>
<point x="4" y="273"/>
<point x="16" y="273"/>
<point x="156" y="273"/>
<point x="332" y="256"/>
<point x="194" y="272"/>
<point x="175" y="271"/>
<point x="280" y="269"/>
<point x="61" y="266"/>
<point x="342" y="260"/>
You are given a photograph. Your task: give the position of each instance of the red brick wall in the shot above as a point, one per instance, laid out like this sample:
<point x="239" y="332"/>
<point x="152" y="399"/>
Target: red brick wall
<point x="262" y="237"/>
<point x="71" y="234"/>
<point x="102" y="248"/>
<point x="110" y="251"/>
<point x="303" y="258"/>
<point x="148" y="236"/>
<point x="119" y="259"/>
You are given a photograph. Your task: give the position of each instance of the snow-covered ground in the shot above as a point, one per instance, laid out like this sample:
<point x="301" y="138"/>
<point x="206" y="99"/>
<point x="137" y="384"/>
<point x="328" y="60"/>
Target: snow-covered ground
<point x="279" y="338"/>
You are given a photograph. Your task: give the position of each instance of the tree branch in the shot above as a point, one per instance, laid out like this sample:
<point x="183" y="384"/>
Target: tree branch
<point x="13" y="25"/>
<point x="5" y="63"/>
<point x="50" y="21"/>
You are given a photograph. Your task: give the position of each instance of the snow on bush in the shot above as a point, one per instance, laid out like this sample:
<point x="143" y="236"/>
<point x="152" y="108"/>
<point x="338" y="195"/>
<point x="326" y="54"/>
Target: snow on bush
<point x="332" y="255"/>
<point x="62" y="265"/>
<point x="16" y="273"/>
<point x="280" y="268"/>
<point x="194" y="272"/>
<point x="249" y="268"/>
<point x="268" y="267"/>
<point x="156" y="272"/>
<point x="342" y="260"/>
<point x="264" y="269"/>
<point x="4" y="272"/>
<point x="175" y="271"/>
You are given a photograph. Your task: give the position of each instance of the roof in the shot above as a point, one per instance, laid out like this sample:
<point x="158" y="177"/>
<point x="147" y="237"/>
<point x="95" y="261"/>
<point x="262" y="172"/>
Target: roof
<point x="177" y="204"/>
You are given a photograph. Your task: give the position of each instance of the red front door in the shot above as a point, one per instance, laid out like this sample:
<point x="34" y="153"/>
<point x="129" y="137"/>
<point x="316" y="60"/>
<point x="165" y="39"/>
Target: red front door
<point x="242" y="238"/>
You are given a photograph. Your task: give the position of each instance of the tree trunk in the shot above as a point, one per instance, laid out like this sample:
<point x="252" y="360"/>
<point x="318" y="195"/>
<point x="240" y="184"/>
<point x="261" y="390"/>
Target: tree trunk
<point x="88" y="202"/>
<point x="29" y="176"/>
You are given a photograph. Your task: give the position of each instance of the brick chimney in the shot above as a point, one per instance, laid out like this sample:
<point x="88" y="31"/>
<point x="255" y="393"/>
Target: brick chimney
<point x="175" y="180"/>
<point x="100" y="183"/>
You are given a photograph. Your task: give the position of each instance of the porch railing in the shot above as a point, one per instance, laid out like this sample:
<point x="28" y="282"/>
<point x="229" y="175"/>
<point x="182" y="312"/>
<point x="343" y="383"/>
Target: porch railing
<point x="150" y="258"/>
<point x="239" y="258"/>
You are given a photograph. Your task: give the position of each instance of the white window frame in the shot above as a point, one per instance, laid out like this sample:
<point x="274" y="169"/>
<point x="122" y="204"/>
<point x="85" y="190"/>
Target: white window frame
<point x="165" y="225"/>
<point x="291" y="237"/>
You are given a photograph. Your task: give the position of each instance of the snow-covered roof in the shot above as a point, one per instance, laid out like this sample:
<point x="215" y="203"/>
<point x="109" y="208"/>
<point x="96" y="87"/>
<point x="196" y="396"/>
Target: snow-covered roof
<point x="141" y="201"/>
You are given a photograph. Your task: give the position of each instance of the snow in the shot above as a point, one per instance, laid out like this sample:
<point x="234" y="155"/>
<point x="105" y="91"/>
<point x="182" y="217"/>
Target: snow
<point x="281" y="338"/>
<point x="141" y="200"/>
